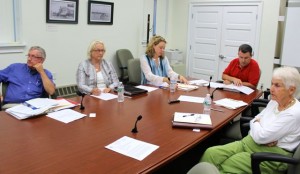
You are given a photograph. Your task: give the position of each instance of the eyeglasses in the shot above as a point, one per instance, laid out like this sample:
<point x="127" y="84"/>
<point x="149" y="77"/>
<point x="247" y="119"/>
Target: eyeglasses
<point x="33" y="56"/>
<point x="102" y="50"/>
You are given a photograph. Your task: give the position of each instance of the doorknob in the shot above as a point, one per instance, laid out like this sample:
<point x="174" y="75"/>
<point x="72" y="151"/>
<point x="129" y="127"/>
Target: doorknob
<point x="221" y="56"/>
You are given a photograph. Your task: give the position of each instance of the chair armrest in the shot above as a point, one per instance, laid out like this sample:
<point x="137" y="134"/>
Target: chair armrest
<point x="256" y="104"/>
<point x="258" y="157"/>
<point x="245" y="125"/>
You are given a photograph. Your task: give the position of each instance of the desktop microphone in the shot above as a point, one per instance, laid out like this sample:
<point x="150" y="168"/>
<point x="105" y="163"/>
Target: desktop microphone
<point x="209" y="81"/>
<point x="82" y="95"/>
<point x="212" y="94"/>
<point x="134" y="130"/>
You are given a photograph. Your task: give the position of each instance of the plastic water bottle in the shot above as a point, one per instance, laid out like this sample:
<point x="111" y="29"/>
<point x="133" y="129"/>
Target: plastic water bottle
<point x="120" y="92"/>
<point x="173" y="83"/>
<point x="207" y="104"/>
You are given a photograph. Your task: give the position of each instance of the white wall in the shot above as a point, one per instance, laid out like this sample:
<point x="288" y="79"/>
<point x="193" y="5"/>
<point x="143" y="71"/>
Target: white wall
<point x="66" y="44"/>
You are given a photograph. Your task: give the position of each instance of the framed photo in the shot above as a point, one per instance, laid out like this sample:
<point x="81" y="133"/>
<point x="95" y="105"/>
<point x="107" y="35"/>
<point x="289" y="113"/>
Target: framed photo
<point x="100" y="12"/>
<point x="62" y="11"/>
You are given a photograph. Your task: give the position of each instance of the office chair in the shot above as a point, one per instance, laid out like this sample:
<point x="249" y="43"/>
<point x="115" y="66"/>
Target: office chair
<point x="134" y="71"/>
<point x="123" y="55"/>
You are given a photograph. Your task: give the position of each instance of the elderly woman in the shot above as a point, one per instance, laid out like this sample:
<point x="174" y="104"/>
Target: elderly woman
<point x="276" y="129"/>
<point x="96" y="75"/>
<point x="155" y="66"/>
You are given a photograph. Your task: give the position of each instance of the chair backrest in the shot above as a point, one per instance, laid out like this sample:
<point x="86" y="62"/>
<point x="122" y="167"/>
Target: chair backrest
<point x="295" y="169"/>
<point x="134" y="71"/>
<point x="123" y="55"/>
<point x="4" y="87"/>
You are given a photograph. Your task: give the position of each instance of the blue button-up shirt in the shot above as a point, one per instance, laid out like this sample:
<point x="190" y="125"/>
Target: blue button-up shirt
<point x="24" y="84"/>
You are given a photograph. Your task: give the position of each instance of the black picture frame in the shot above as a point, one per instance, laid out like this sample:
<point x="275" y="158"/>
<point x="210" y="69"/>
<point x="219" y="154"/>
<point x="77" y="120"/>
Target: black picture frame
<point x="100" y="12"/>
<point x="62" y="11"/>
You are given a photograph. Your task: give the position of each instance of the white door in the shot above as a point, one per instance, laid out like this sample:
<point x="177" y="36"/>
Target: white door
<point x="216" y="32"/>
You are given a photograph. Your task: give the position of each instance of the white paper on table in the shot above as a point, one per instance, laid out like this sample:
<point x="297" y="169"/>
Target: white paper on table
<point x="198" y="82"/>
<point x="66" y="115"/>
<point x="191" y="99"/>
<point x="243" y="89"/>
<point x="216" y="85"/>
<point x="105" y="96"/>
<point x="148" y="88"/>
<point x="131" y="147"/>
<point x="42" y="102"/>
<point x="230" y="103"/>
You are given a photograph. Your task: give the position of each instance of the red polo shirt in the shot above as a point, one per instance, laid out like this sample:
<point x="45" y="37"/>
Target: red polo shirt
<point x="249" y="73"/>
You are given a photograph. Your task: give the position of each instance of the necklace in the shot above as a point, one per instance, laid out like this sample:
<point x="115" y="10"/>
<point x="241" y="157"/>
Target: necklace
<point x="291" y="102"/>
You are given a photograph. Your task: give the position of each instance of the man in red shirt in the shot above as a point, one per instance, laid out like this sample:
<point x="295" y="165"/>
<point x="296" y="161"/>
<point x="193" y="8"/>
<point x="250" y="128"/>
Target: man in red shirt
<point x="242" y="70"/>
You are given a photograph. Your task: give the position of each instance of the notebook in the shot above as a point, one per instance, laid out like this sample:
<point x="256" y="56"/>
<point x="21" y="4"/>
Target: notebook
<point x="130" y="90"/>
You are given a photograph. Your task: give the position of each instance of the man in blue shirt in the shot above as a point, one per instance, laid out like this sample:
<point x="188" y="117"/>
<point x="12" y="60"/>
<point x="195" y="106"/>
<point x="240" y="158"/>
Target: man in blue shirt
<point x="28" y="81"/>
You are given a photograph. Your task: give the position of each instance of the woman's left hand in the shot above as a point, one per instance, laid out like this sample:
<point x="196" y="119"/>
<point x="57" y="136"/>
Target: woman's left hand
<point x="182" y="79"/>
<point x="106" y="90"/>
<point x="272" y="144"/>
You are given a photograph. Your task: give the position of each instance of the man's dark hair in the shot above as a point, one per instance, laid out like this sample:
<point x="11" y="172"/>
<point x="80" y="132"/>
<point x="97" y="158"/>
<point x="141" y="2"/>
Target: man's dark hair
<point x="245" y="48"/>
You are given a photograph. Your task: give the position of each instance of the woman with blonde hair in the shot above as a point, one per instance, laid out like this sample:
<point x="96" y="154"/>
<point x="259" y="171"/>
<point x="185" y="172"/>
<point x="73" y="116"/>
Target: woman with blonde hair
<point x="95" y="74"/>
<point x="155" y="65"/>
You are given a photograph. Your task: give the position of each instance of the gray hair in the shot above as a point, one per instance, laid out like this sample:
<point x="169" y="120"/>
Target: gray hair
<point x="40" y="50"/>
<point x="289" y="75"/>
<point x="92" y="46"/>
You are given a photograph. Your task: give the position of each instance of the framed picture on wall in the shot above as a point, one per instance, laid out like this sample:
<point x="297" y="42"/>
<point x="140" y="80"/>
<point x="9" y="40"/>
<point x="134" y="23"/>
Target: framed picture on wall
<point x="62" y="11"/>
<point x="100" y="12"/>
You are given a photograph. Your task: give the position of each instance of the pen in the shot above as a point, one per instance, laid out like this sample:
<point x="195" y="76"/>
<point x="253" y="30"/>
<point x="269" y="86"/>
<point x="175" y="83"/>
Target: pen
<point x="219" y="110"/>
<point x="188" y="115"/>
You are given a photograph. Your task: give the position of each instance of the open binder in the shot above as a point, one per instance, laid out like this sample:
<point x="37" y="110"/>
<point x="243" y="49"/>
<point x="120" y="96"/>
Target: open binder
<point x="192" y="120"/>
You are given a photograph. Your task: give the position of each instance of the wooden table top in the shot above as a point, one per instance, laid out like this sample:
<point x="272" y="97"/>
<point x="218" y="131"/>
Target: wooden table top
<point x="44" y="145"/>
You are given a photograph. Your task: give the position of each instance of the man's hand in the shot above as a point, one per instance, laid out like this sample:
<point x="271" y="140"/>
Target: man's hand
<point x="39" y="67"/>
<point x="96" y="91"/>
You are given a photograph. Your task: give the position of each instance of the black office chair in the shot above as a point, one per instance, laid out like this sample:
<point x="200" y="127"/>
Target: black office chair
<point x="123" y="55"/>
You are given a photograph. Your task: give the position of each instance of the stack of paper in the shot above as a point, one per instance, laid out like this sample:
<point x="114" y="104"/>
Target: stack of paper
<point x="192" y="120"/>
<point x="32" y="108"/>
<point x="38" y="106"/>
<point x="230" y="103"/>
<point x="186" y="87"/>
<point x="232" y="87"/>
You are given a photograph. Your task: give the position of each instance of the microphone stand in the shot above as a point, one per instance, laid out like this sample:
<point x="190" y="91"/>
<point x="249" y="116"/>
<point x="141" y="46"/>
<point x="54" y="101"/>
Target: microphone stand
<point x="82" y="96"/>
<point x="209" y="82"/>
<point x="134" y="130"/>
<point x="212" y="94"/>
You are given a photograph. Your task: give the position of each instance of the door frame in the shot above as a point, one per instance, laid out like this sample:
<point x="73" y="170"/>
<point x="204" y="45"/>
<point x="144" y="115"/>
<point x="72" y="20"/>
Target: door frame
<point x="258" y="3"/>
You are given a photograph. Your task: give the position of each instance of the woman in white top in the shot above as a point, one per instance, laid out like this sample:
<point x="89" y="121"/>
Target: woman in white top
<point x="276" y="129"/>
<point x="96" y="75"/>
<point x="155" y="65"/>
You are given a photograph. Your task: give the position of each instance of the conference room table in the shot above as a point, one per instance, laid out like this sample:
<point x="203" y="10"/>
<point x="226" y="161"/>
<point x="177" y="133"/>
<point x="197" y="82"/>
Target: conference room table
<point x="44" y="145"/>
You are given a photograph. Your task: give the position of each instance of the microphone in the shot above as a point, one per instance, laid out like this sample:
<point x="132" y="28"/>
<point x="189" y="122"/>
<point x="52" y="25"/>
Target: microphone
<point x="209" y="81"/>
<point x="82" y="96"/>
<point x="212" y="94"/>
<point x="134" y="130"/>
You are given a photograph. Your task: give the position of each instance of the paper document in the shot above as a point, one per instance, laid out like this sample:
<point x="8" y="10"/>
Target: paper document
<point x="105" y="96"/>
<point x="131" y="147"/>
<point x="186" y="87"/>
<point x="191" y="99"/>
<point x="192" y="118"/>
<point x="148" y="88"/>
<point x="232" y="87"/>
<point x="66" y="115"/>
<point x="41" y="102"/>
<point x="198" y="82"/>
<point x="230" y="103"/>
